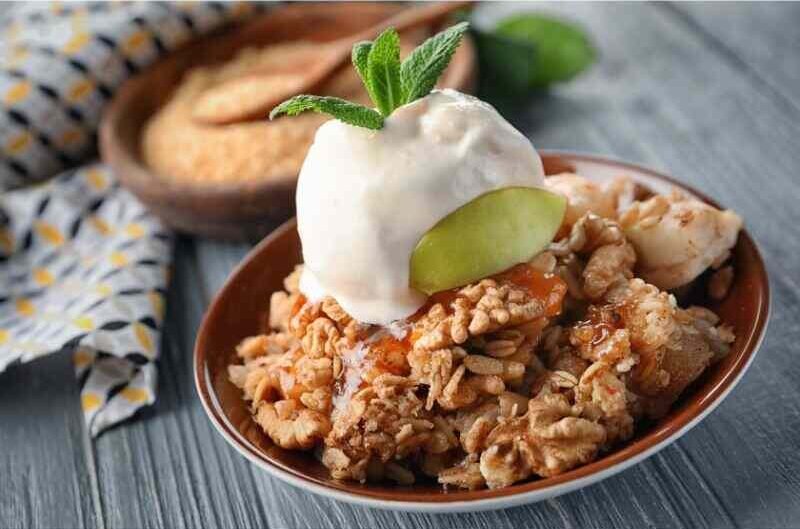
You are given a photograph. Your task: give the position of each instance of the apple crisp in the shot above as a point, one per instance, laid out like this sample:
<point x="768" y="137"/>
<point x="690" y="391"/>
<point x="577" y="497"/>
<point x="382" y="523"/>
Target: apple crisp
<point x="528" y="373"/>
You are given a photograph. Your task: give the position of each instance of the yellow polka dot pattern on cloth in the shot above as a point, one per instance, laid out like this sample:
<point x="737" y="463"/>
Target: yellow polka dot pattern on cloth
<point x="99" y="292"/>
<point x="83" y="267"/>
<point x="90" y="401"/>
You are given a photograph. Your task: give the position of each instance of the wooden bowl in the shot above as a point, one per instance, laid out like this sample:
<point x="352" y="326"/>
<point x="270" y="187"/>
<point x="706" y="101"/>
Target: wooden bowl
<point x="241" y="308"/>
<point x="241" y="211"/>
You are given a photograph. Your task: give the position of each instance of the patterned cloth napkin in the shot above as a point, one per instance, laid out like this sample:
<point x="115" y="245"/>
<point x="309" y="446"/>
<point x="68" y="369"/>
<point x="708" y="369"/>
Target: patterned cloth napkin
<point x="83" y="266"/>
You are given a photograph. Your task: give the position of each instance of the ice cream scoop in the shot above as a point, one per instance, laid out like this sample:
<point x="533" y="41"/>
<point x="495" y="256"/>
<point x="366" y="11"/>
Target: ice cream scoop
<point x="365" y="198"/>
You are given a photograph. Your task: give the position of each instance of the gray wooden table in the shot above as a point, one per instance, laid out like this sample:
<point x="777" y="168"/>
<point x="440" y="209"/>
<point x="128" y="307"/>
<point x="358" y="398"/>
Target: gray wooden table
<point x="709" y="93"/>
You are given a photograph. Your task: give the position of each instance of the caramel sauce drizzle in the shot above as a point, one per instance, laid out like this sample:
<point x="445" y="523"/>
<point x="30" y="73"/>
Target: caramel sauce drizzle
<point x="386" y="349"/>
<point x="602" y="322"/>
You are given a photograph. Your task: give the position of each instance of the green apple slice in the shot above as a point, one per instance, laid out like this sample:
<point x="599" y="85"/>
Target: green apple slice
<point x="490" y="234"/>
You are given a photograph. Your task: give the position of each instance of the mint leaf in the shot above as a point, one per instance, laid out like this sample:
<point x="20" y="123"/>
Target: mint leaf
<point x="378" y="65"/>
<point x="563" y="50"/>
<point x="340" y="109"/>
<point x="383" y="65"/>
<point x="420" y="71"/>
<point x="359" y="57"/>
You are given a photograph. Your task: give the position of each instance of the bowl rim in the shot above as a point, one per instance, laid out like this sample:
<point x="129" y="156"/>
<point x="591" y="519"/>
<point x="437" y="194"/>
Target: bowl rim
<point x="527" y="492"/>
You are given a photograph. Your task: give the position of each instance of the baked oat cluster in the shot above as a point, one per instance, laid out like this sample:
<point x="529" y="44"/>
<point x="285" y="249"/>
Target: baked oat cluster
<point x="528" y="373"/>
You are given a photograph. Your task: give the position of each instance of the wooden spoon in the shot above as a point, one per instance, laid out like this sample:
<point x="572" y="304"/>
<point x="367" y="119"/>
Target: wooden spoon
<point x="252" y="96"/>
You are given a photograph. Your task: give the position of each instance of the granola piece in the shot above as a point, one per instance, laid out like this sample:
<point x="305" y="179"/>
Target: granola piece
<point x="457" y="393"/>
<point x="608" y="265"/>
<point x="481" y="308"/>
<point x="560" y="364"/>
<point x="487" y="384"/>
<point x="434" y="369"/>
<point x="512" y="404"/>
<point x="283" y="304"/>
<point x="443" y="436"/>
<point x="261" y="384"/>
<point x="568" y="360"/>
<point x="548" y="440"/>
<point x="605" y="398"/>
<point x="501" y="348"/>
<point x="591" y="258"/>
<point x="252" y="347"/>
<point x="508" y="461"/>
<point x="319" y="399"/>
<point x="383" y="421"/>
<point x="570" y="269"/>
<point x="531" y="335"/>
<point x="342" y="466"/>
<point x="649" y="317"/>
<point x="484" y="365"/>
<point x="475" y="424"/>
<point x="303" y="318"/>
<point x="465" y="475"/>
<point x="587" y="234"/>
<point x="278" y="366"/>
<point x="258" y="378"/>
<point x="602" y="338"/>
<point x="330" y="311"/>
<point x="611" y="347"/>
<point x="558" y="354"/>
<point x="348" y="327"/>
<point x="275" y="343"/>
<point x="291" y="426"/>
<point x="557" y="381"/>
<point x="456" y="379"/>
<point x="678" y="237"/>
<point x="321" y="338"/>
<point x="314" y="372"/>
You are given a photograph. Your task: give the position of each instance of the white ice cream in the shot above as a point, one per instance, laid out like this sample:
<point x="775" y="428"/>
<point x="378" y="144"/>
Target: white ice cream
<point x="365" y="198"/>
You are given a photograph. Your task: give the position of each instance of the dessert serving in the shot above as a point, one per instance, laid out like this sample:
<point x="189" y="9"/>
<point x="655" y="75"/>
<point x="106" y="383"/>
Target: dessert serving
<point x="460" y="317"/>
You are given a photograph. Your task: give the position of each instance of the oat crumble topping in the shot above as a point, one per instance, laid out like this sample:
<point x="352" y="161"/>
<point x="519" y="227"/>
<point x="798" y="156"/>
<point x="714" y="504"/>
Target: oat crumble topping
<point x="528" y="373"/>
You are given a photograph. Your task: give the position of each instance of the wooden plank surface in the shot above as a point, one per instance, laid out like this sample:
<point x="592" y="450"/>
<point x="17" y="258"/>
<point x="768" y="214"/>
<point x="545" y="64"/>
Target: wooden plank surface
<point x="708" y="93"/>
<point x="45" y="481"/>
<point x="763" y="41"/>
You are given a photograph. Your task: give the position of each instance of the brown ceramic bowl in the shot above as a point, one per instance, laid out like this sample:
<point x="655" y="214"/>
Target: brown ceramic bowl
<point x="241" y="211"/>
<point x="240" y="309"/>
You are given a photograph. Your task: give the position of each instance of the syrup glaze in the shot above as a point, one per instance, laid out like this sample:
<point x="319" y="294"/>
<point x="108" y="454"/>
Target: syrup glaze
<point x="386" y="349"/>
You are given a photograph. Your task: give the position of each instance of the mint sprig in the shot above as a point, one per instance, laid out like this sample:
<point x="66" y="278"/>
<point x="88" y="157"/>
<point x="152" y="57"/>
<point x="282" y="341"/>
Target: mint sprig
<point x="389" y="83"/>
<point x="342" y="110"/>
<point x="420" y="71"/>
<point x="383" y="72"/>
<point x="359" y="57"/>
